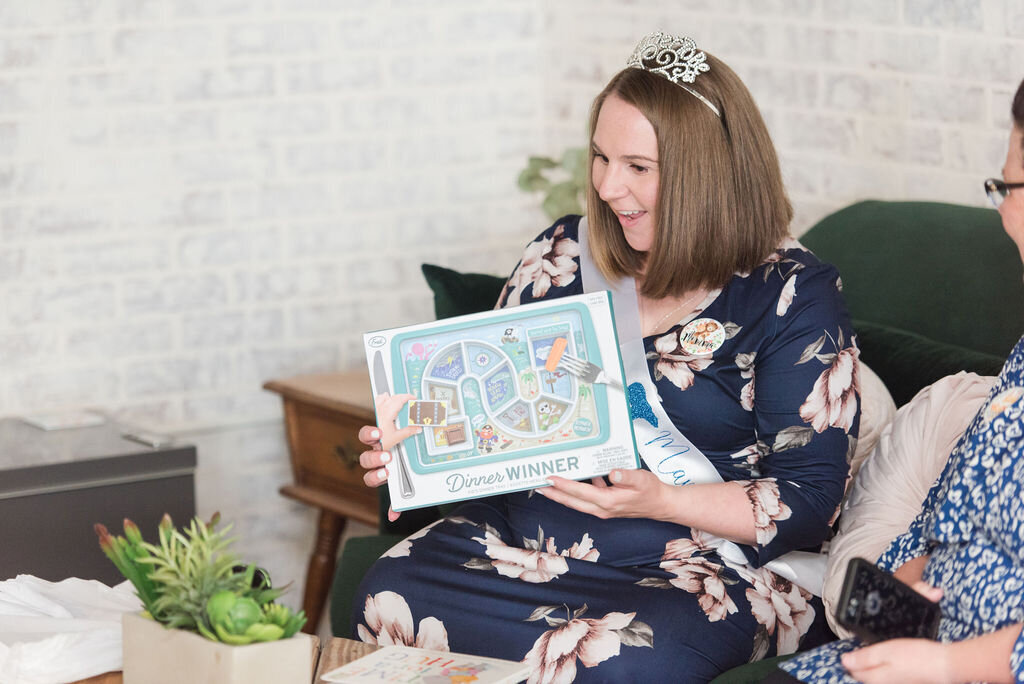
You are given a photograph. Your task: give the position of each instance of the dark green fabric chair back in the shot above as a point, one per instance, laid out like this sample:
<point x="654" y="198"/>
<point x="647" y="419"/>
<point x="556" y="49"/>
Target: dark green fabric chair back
<point x="932" y="288"/>
<point x="944" y="271"/>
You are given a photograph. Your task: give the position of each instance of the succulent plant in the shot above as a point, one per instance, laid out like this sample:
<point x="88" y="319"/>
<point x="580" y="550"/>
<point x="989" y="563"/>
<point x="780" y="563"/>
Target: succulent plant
<point x="189" y="581"/>
<point x="240" y="620"/>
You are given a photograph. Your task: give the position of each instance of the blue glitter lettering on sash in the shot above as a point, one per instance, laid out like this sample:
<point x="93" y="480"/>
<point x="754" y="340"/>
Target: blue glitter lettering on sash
<point x="638" y="406"/>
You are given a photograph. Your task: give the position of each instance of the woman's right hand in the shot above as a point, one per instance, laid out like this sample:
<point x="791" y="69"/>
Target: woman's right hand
<point x="381" y="439"/>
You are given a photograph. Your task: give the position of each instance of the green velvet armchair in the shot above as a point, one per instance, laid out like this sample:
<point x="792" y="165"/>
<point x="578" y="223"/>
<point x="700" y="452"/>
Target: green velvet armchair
<point x="932" y="288"/>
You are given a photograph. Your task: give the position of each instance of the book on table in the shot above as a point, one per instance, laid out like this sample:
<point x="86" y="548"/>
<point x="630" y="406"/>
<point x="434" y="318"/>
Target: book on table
<point x="425" y="666"/>
<point x="498" y="408"/>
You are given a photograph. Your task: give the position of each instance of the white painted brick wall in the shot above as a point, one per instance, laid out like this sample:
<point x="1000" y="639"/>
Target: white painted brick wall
<point x="865" y="98"/>
<point x="199" y="195"/>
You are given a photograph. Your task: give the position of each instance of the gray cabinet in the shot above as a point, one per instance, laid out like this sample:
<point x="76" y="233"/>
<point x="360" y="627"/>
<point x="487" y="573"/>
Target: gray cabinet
<point x="55" y="485"/>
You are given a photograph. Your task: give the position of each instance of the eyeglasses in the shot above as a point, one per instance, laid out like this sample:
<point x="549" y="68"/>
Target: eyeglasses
<point x="997" y="190"/>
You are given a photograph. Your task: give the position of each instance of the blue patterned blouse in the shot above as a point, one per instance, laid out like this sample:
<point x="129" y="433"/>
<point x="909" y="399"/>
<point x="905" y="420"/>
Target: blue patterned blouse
<point x="972" y="527"/>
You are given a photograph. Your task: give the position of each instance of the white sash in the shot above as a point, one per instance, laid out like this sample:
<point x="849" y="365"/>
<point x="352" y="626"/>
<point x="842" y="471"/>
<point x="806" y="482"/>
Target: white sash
<point x="665" y="450"/>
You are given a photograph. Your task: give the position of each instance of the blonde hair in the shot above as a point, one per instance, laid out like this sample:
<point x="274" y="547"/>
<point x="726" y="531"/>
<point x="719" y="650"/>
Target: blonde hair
<point x="722" y="207"/>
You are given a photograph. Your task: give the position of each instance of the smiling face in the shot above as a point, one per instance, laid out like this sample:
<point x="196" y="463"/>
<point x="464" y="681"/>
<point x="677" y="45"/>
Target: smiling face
<point x="689" y="178"/>
<point x="1012" y="208"/>
<point x="624" y="169"/>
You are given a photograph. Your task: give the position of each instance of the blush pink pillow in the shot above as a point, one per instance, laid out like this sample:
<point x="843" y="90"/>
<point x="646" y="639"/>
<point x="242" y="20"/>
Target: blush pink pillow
<point x="894" y="479"/>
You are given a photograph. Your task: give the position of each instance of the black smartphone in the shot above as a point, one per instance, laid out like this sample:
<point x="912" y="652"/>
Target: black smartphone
<point x="876" y="606"/>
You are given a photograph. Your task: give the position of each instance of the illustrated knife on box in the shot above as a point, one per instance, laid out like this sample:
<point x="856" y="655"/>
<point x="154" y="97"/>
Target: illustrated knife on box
<point x="380" y="381"/>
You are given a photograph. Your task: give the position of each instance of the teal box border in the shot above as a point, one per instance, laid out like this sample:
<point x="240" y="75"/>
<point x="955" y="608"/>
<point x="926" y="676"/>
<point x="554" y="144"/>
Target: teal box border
<point x="414" y="445"/>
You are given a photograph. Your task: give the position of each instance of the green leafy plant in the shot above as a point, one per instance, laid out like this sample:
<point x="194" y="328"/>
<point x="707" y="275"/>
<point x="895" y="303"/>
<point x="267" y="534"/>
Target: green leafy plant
<point x="189" y="581"/>
<point x="563" y="182"/>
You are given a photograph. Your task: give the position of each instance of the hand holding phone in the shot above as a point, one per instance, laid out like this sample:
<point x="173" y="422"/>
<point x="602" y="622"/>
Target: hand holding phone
<point x="876" y="606"/>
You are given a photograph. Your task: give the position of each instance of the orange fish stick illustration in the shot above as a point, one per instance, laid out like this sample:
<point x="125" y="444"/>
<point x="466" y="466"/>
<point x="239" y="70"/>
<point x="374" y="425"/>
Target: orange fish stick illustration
<point x="555" y="355"/>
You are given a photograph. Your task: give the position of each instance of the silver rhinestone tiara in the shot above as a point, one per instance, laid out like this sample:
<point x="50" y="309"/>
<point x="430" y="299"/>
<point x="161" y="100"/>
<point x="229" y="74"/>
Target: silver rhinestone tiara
<point x="673" y="57"/>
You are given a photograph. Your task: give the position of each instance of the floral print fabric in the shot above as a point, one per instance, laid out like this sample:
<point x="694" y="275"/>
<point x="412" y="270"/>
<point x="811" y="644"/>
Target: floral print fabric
<point x="583" y="599"/>
<point x="972" y="528"/>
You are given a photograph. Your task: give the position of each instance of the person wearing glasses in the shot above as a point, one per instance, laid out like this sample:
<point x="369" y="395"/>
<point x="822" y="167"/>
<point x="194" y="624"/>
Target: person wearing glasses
<point x="998" y="191"/>
<point x="966" y="547"/>
<point x="691" y="565"/>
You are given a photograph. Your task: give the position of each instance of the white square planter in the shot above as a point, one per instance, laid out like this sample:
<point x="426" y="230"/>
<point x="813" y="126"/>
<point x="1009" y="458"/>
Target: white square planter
<point x="154" y="654"/>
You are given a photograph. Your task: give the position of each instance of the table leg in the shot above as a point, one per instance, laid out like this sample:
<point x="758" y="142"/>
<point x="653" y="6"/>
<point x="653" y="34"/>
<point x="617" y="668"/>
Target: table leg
<point x="320" y="573"/>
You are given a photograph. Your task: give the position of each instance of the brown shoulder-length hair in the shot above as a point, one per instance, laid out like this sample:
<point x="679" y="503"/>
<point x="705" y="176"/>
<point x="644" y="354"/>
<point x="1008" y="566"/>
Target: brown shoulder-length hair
<point x="1017" y="109"/>
<point x="722" y="207"/>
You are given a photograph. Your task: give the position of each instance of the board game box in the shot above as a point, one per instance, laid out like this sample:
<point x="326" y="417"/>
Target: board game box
<point x="499" y="407"/>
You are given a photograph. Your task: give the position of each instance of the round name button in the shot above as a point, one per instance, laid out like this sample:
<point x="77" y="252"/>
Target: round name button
<point x="702" y="336"/>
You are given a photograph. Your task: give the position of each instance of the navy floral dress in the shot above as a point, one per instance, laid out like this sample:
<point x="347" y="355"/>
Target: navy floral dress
<point x="583" y="599"/>
<point x="971" y="526"/>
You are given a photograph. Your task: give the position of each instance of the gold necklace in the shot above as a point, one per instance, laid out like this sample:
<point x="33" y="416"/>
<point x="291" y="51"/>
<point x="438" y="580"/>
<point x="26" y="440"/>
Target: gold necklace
<point x="689" y="300"/>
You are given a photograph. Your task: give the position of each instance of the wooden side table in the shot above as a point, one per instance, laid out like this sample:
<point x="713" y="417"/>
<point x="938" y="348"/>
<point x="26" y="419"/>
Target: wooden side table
<point x="337" y="652"/>
<point x="323" y="414"/>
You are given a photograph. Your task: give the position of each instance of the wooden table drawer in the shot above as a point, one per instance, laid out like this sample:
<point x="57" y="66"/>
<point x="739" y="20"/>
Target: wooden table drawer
<point x="323" y="414"/>
<point x="327" y="449"/>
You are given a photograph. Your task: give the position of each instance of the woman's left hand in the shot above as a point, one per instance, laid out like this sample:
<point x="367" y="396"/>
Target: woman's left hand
<point x="901" y="661"/>
<point x="633" y="494"/>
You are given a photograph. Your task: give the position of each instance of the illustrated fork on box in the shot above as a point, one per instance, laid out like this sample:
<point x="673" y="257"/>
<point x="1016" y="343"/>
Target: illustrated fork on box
<point x="586" y="371"/>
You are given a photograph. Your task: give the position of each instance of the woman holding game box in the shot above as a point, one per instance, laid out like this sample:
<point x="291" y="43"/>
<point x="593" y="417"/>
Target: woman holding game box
<point x="661" y="573"/>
